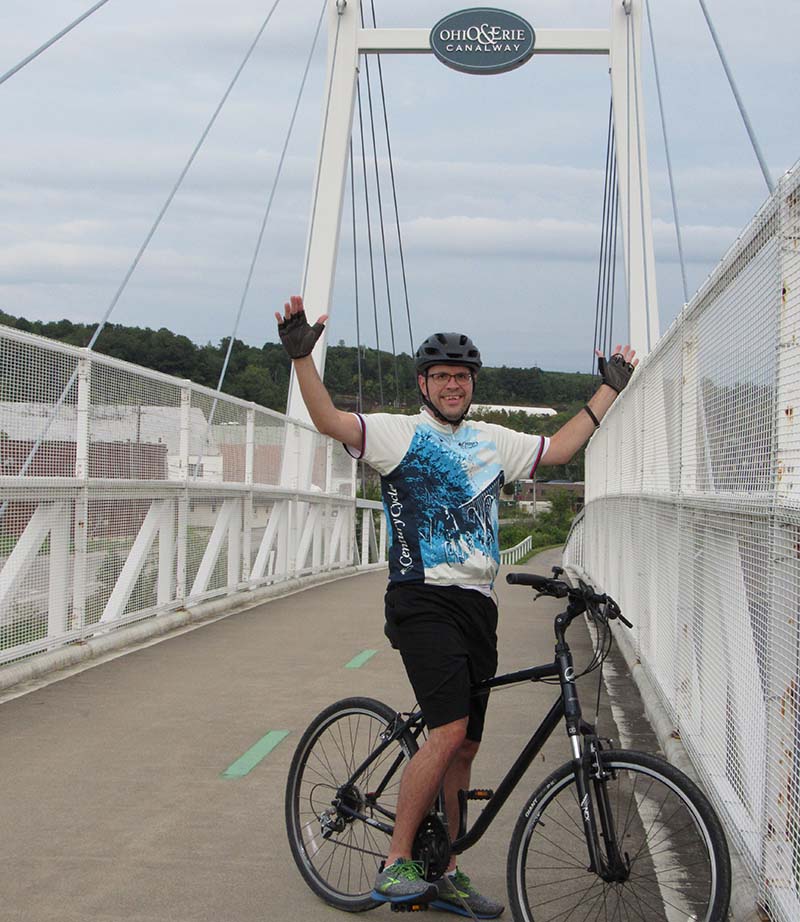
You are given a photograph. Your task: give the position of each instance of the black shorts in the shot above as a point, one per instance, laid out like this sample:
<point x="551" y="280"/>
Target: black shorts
<point x="447" y="637"/>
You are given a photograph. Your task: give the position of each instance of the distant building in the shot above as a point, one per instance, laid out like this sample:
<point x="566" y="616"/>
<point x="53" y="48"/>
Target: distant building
<point x="140" y="443"/>
<point x="531" y="411"/>
<point x="126" y="442"/>
<point x="136" y="433"/>
<point x="524" y="492"/>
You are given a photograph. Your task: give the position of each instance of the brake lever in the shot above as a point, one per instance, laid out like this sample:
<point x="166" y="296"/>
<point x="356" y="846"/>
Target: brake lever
<point x="616" y="613"/>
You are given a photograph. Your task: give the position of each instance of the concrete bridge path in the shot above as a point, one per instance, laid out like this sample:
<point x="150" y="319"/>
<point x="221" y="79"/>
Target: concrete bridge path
<point x="114" y="805"/>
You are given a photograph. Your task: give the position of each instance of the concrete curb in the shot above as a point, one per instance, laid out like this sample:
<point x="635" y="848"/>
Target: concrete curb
<point x="75" y="654"/>
<point x="743" y="906"/>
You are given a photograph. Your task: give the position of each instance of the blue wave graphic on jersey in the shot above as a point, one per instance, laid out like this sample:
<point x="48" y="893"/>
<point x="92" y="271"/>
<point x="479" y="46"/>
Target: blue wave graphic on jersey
<point x="439" y="514"/>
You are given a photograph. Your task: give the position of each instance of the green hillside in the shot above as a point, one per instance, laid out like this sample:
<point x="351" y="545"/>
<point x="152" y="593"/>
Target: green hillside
<point x="261" y="374"/>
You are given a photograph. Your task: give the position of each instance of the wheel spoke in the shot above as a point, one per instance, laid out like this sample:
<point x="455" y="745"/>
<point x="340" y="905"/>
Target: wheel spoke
<point x="341" y="866"/>
<point x="564" y="915"/>
<point x="662" y="837"/>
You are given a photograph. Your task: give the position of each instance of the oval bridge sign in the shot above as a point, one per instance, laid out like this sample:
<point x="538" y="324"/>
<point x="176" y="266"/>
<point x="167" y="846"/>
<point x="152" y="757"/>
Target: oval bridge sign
<point x="483" y="41"/>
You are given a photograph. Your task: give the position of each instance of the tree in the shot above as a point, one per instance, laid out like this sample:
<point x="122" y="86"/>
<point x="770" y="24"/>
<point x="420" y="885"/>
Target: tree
<point x="262" y="374"/>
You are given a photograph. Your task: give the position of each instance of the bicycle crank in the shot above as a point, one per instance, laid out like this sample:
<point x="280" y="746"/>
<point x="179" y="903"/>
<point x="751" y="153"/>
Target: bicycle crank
<point x="432" y="847"/>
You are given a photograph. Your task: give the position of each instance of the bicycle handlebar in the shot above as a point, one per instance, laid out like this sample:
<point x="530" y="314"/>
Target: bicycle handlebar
<point x="558" y="589"/>
<point x="543" y="584"/>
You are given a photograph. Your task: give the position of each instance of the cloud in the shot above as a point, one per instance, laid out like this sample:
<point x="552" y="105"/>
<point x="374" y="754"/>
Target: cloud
<point x="549" y="238"/>
<point x="499" y="180"/>
<point x="702" y="243"/>
<point x="492" y="237"/>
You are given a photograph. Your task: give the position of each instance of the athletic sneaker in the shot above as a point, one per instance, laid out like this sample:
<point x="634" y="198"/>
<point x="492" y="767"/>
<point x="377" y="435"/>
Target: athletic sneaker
<point x="402" y="882"/>
<point x="456" y="889"/>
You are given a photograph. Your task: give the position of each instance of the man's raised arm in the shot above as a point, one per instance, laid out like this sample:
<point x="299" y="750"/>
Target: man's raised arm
<point x="298" y="338"/>
<point x="575" y="433"/>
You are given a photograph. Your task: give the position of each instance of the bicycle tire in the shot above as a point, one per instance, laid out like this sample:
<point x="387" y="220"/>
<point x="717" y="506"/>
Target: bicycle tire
<point x="341" y="868"/>
<point x="678" y="856"/>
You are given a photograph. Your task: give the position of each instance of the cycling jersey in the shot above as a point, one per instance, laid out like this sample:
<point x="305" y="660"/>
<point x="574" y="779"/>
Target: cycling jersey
<point x="441" y="489"/>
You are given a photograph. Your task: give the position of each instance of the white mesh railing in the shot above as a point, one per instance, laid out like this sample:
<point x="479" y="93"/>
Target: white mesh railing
<point x="125" y="493"/>
<point x="692" y="521"/>
<point x="513" y="554"/>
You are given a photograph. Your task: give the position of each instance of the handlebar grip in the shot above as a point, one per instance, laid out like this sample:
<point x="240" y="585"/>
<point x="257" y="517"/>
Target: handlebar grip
<point x="542" y="583"/>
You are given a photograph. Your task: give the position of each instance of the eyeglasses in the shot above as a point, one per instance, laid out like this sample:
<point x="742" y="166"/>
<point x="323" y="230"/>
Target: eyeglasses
<point x="443" y="377"/>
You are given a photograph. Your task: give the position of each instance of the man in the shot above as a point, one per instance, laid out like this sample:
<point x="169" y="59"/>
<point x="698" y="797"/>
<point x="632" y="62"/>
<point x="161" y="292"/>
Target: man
<point x="441" y="478"/>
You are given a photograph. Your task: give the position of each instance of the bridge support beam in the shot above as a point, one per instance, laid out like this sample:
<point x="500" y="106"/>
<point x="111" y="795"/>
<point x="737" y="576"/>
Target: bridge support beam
<point x="346" y="40"/>
<point x="344" y="21"/>
<point x="632" y="177"/>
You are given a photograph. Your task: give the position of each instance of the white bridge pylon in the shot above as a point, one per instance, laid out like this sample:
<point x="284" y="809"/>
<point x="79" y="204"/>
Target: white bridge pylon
<point x="347" y="41"/>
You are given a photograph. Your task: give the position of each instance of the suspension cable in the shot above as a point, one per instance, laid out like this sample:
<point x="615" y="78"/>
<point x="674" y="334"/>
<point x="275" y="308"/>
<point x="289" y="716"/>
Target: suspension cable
<point x="275" y="182"/>
<point x="394" y="191"/>
<point x="369" y="238"/>
<point x="666" y="150"/>
<point x="68" y="387"/>
<point x="604" y="313"/>
<point x="381" y="225"/>
<point x="598" y="315"/>
<point x="264" y="220"/>
<point x="628" y="277"/>
<point x="613" y="212"/>
<point x="612" y="253"/>
<point x="182" y="176"/>
<point x="360" y="403"/>
<point x="611" y="256"/>
<point x="742" y="111"/>
<point x="645" y="273"/>
<point x="613" y="292"/>
<point x="49" y="42"/>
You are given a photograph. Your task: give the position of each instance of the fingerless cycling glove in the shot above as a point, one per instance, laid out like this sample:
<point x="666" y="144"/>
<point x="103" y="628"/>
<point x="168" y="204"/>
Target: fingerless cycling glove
<point x="298" y="336"/>
<point x="616" y="372"/>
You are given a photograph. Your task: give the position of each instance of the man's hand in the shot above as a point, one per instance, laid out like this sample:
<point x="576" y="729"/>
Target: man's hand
<point x="297" y="336"/>
<point x="298" y="339"/>
<point x="575" y="432"/>
<point x="617" y="371"/>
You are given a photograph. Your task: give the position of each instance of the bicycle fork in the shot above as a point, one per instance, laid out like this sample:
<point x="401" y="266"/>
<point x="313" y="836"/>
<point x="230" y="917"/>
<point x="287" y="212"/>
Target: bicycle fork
<point x="598" y="818"/>
<point x="590" y="778"/>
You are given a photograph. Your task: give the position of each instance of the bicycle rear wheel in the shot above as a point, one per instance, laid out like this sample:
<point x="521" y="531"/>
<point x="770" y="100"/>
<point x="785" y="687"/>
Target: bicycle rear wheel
<point x="666" y="831"/>
<point x="338" y="854"/>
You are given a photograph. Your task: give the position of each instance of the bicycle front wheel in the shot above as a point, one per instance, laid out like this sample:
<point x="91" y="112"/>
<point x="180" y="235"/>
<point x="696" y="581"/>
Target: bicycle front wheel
<point x="671" y="843"/>
<point x="328" y="809"/>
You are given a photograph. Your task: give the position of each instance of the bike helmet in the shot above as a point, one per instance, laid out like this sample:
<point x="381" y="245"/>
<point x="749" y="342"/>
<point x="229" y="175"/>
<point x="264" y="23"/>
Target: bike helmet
<point x="447" y="349"/>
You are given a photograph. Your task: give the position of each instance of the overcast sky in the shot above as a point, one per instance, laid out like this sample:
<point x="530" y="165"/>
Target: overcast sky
<point x="499" y="179"/>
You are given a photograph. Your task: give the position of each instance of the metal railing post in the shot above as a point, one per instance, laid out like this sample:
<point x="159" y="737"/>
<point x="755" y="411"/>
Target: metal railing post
<point x="247" y="517"/>
<point x="183" y="500"/>
<point x="57" y="602"/>
<point x="81" y="522"/>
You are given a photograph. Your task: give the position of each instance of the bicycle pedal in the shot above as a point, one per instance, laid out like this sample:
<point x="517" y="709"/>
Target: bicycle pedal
<point x="409" y="907"/>
<point x="480" y="794"/>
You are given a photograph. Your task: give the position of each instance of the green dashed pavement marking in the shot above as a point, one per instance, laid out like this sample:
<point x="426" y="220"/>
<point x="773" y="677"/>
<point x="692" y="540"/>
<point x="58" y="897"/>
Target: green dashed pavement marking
<point x="247" y="762"/>
<point x="357" y="661"/>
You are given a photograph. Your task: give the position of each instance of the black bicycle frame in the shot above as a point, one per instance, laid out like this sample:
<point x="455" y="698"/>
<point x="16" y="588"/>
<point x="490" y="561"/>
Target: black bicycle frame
<point x="566" y="706"/>
<point x="524" y="759"/>
<point x="509" y="782"/>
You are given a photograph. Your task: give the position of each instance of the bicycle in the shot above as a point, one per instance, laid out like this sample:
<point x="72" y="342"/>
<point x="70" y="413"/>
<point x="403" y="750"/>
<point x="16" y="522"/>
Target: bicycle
<point x="612" y="834"/>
